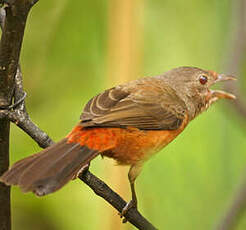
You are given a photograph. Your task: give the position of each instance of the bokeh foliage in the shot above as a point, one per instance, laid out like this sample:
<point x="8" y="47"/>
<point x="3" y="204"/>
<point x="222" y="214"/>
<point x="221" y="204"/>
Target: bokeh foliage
<point x="186" y="186"/>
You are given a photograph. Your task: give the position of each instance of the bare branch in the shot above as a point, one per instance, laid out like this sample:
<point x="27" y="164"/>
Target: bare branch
<point x="13" y="20"/>
<point x="102" y="190"/>
<point x="20" y="117"/>
<point x="236" y="54"/>
<point x="233" y="65"/>
<point x="236" y="210"/>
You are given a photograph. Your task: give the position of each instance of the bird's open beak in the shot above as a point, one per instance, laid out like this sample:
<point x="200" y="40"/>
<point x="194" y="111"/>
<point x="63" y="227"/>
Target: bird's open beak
<point x="220" y="93"/>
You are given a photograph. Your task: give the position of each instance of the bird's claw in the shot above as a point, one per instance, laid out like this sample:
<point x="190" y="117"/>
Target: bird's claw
<point x="128" y="206"/>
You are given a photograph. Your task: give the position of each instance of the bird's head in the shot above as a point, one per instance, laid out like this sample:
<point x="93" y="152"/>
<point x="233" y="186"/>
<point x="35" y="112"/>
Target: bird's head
<point x="193" y="85"/>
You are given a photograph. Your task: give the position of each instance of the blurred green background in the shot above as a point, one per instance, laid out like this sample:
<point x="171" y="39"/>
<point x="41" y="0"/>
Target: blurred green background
<point x="72" y="50"/>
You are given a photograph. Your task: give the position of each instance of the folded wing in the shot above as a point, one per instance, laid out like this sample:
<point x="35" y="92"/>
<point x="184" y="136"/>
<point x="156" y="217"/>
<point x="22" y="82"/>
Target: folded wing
<point x="146" y="104"/>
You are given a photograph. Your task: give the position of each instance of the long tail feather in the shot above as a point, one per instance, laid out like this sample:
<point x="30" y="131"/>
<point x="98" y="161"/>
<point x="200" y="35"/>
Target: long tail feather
<point x="50" y="169"/>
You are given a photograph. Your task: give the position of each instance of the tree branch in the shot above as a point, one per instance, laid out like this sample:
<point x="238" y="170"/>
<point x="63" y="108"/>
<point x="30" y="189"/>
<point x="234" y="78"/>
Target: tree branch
<point x="102" y="190"/>
<point x="233" y="64"/>
<point x="12" y="34"/>
<point x="20" y="117"/>
<point x="236" y="209"/>
<point x="236" y="54"/>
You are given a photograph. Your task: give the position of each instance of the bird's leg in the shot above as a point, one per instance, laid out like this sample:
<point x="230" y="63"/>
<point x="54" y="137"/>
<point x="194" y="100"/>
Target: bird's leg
<point x="132" y="175"/>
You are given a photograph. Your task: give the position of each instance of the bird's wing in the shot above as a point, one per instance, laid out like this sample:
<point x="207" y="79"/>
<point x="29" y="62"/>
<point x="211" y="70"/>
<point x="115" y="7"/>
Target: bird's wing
<point x="146" y="104"/>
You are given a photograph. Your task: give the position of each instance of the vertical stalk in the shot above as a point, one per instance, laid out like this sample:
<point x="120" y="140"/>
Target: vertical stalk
<point x="5" y="217"/>
<point x="10" y="47"/>
<point x="124" y="54"/>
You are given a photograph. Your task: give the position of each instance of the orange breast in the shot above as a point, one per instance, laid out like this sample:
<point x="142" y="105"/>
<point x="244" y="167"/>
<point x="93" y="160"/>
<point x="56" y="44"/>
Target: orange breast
<point x="135" y="145"/>
<point x="126" y="146"/>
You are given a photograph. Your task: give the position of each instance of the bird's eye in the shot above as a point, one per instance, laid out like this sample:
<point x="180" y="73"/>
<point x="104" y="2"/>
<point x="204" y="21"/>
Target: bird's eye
<point x="203" y="79"/>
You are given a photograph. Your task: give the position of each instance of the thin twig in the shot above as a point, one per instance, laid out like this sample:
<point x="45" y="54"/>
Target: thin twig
<point x="21" y="118"/>
<point x="236" y="210"/>
<point x="102" y="190"/>
<point x="236" y="54"/>
<point x="233" y="65"/>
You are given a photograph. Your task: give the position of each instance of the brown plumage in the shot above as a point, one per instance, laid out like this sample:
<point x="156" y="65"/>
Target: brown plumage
<point x="147" y="103"/>
<point x="129" y="123"/>
<point x="54" y="167"/>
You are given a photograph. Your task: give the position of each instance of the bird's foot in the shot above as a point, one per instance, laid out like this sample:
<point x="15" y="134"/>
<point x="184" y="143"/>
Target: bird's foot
<point x="129" y="205"/>
<point x="81" y="171"/>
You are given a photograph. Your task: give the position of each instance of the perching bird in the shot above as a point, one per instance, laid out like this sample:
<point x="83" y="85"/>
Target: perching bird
<point x="128" y="123"/>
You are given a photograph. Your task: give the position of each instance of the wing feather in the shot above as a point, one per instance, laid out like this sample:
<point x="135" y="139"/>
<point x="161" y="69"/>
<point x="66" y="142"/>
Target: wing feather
<point x="142" y="104"/>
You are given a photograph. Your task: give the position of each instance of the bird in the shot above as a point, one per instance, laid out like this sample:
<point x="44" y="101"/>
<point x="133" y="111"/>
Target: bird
<point x="129" y="123"/>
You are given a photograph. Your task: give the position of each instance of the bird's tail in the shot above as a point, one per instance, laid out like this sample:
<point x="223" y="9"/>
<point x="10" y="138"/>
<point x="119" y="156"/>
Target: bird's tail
<point x="50" y="169"/>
